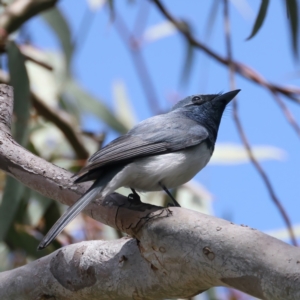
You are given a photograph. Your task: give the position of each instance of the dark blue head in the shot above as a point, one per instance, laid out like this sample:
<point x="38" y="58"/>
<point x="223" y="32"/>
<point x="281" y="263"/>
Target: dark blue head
<point x="207" y="110"/>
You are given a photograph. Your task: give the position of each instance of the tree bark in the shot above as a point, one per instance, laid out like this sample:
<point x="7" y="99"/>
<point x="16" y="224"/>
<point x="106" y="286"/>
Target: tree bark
<point x="172" y="252"/>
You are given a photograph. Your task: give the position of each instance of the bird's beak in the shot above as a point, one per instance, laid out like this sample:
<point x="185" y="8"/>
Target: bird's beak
<point x="227" y="97"/>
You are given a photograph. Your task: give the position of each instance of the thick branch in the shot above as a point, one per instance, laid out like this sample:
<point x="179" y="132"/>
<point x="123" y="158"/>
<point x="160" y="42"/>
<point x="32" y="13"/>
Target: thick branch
<point x="180" y="253"/>
<point x="174" y="253"/>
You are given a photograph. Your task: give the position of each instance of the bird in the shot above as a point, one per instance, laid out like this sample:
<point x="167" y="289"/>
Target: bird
<point x="159" y="153"/>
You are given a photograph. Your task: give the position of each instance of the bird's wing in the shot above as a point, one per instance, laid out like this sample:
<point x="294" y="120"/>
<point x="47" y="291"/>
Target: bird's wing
<point x="157" y="135"/>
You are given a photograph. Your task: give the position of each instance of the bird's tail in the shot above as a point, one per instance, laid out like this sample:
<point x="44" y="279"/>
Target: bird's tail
<point x="93" y="193"/>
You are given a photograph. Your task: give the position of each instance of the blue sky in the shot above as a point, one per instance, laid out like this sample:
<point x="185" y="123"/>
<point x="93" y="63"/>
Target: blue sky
<point x="103" y="58"/>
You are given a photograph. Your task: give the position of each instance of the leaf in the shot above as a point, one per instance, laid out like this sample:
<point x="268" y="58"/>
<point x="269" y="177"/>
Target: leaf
<point x="111" y="9"/>
<point x="11" y="199"/>
<point x="260" y="18"/>
<point x="292" y="8"/>
<point x="37" y="207"/>
<point x="283" y="233"/>
<point x="58" y="23"/>
<point x="211" y="20"/>
<point x="96" y="4"/>
<point x="20" y="82"/>
<point x="46" y="84"/>
<point x="123" y="108"/>
<point x="237" y="154"/>
<point x="89" y="104"/>
<point x="159" y="31"/>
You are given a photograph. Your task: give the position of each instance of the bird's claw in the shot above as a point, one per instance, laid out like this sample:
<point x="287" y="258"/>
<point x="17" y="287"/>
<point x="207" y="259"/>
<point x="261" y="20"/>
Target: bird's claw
<point x="134" y="198"/>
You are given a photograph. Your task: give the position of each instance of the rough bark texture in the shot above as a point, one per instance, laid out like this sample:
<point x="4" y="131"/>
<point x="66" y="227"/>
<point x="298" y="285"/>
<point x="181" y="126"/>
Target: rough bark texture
<point x="172" y="252"/>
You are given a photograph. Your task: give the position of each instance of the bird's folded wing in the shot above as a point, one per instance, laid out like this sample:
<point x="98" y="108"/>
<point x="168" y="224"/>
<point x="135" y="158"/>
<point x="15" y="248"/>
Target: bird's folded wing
<point x="157" y="135"/>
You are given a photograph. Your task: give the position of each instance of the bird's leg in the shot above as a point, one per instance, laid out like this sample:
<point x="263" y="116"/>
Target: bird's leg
<point x="170" y="195"/>
<point x="134" y="197"/>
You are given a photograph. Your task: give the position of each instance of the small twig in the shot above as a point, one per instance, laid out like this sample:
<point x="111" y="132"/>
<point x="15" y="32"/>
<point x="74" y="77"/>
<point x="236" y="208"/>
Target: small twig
<point x="25" y="50"/>
<point x="288" y="114"/>
<point x="239" y="68"/>
<point x="56" y="117"/>
<point x="242" y="133"/>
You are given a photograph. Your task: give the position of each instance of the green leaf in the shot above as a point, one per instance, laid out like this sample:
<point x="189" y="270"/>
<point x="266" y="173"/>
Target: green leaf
<point x="14" y="190"/>
<point x="111" y="9"/>
<point x="37" y="207"/>
<point x="58" y="23"/>
<point x="122" y="105"/>
<point x="292" y="8"/>
<point x="22" y="101"/>
<point x="89" y="104"/>
<point x="260" y="18"/>
<point x="11" y="199"/>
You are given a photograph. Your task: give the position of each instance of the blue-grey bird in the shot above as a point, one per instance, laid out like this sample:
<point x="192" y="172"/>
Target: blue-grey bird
<point x="159" y="153"/>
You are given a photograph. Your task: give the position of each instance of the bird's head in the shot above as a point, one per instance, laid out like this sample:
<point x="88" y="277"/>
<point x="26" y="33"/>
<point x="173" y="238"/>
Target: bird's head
<point x="205" y="109"/>
<point x="214" y="101"/>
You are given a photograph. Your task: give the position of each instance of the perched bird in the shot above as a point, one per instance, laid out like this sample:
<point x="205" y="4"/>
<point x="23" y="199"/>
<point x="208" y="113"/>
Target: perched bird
<point x="159" y="153"/>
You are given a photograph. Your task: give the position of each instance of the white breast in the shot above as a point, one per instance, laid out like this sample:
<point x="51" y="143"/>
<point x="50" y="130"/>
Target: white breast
<point x="172" y="170"/>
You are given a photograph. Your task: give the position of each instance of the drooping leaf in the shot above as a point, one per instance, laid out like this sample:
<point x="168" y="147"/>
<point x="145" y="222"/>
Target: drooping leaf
<point x="159" y="31"/>
<point x="111" y="9"/>
<point x="14" y="190"/>
<point x="20" y="82"/>
<point x="260" y="18"/>
<point x="59" y="25"/>
<point x="292" y="9"/>
<point x="47" y="84"/>
<point x="283" y="233"/>
<point x="237" y="154"/>
<point x="89" y="104"/>
<point x="123" y="108"/>
<point x="211" y="19"/>
<point x="11" y="199"/>
<point x="37" y="207"/>
<point x="22" y="237"/>
<point x="95" y="4"/>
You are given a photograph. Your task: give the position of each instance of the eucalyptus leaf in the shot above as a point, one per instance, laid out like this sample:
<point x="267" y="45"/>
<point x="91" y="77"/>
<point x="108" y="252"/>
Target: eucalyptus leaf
<point x="12" y="196"/>
<point x="59" y="25"/>
<point x="122" y="105"/>
<point x="22" y="101"/>
<point x="89" y="104"/>
<point x="260" y="18"/>
<point x="292" y="8"/>
<point x="226" y="153"/>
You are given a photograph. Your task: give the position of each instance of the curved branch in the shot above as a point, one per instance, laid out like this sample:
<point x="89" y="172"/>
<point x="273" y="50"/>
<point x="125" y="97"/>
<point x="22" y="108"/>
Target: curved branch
<point x="175" y="252"/>
<point x="179" y="253"/>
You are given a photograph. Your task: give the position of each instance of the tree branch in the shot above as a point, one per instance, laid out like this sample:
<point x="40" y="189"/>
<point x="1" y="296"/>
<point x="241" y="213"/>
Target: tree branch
<point x="292" y="93"/>
<point x="177" y="253"/>
<point x="18" y="13"/>
<point x="174" y="252"/>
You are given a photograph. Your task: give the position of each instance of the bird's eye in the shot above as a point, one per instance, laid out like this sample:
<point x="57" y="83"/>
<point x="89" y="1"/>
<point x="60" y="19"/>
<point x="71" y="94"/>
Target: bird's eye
<point x="196" y="99"/>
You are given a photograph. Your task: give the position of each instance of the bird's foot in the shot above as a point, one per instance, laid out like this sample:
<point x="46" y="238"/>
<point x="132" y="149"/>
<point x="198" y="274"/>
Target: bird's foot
<point x="134" y="198"/>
